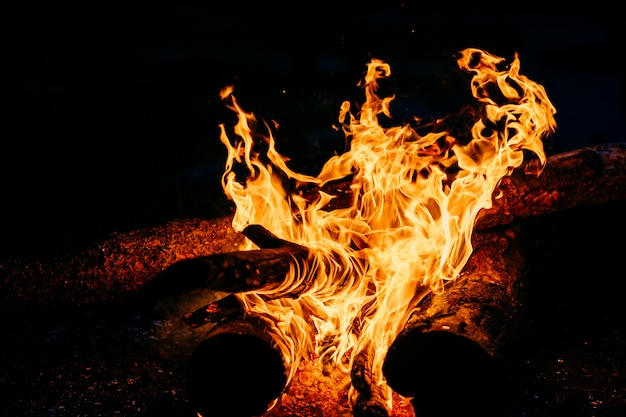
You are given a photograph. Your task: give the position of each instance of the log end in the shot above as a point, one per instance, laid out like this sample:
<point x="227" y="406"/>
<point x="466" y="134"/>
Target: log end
<point x="234" y="374"/>
<point x="445" y="375"/>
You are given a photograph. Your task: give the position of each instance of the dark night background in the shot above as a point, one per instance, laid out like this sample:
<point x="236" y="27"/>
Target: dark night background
<point x="112" y="108"/>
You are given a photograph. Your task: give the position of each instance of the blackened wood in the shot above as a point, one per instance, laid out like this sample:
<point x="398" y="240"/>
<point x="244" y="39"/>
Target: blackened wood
<point x="236" y="371"/>
<point x="446" y="375"/>
<point x="582" y="177"/>
<point x="229" y="307"/>
<point x="369" y="400"/>
<point x="226" y="309"/>
<point x="361" y="374"/>
<point x="484" y="302"/>
<point x="236" y="271"/>
<point x="369" y="407"/>
<point x="265" y="239"/>
<point x="240" y="271"/>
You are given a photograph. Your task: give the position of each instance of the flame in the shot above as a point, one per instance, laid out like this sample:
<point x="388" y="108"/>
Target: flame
<point x="407" y="229"/>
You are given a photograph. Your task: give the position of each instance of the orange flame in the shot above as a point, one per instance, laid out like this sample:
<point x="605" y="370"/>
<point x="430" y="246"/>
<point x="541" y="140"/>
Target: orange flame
<point x="407" y="230"/>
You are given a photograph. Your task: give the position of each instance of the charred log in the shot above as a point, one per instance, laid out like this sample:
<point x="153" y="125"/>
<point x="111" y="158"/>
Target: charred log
<point x="234" y="272"/>
<point x="369" y="407"/>
<point x="236" y="371"/>
<point x="450" y="357"/>
<point x="229" y="307"/>
<point x="370" y="401"/>
<point x="221" y="311"/>
<point x="446" y="375"/>
<point x="265" y="239"/>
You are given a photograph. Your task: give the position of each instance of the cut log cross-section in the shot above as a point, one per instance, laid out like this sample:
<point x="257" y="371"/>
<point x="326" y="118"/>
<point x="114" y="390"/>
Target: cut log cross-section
<point x="237" y="367"/>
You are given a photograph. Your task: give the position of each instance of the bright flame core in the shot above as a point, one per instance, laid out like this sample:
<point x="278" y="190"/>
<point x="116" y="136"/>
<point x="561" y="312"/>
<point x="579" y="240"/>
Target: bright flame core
<point x="407" y="231"/>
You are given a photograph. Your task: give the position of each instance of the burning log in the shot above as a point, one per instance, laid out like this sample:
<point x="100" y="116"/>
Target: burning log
<point x="450" y="359"/>
<point x="239" y="271"/>
<point x="234" y="271"/>
<point x="224" y="310"/>
<point x="455" y="343"/>
<point x="591" y="175"/>
<point x="237" y="370"/>
<point x="277" y="255"/>
<point x="369" y="402"/>
<point x="582" y="177"/>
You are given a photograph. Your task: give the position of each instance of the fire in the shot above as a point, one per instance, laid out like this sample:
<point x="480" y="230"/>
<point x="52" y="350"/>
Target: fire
<point x="416" y="192"/>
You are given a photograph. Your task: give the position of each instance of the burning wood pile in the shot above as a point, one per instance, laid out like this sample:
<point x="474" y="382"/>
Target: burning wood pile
<point x="391" y="275"/>
<point x="346" y="281"/>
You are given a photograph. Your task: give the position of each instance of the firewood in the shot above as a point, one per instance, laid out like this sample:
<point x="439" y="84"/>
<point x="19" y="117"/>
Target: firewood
<point x="592" y="175"/>
<point x="582" y="177"/>
<point x="224" y="310"/>
<point x="118" y="267"/>
<point x="370" y="401"/>
<point x="230" y="307"/>
<point x="236" y="371"/>
<point x="112" y="270"/>
<point x="239" y="271"/>
<point x="369" y="407"/>
<point x="456" y="342"/>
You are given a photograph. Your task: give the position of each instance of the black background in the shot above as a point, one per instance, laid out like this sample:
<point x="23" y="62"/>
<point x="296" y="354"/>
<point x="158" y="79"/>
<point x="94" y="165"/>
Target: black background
<point x="113" y="107"/>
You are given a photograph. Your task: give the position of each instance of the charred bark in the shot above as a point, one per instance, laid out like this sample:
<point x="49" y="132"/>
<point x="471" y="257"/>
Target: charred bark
<point x="229" y="307"/>
<point x="370" y="401"/>
<point x="233" y="272"/>
<point x="225" y="309"/>
<point x="592" y="175"/>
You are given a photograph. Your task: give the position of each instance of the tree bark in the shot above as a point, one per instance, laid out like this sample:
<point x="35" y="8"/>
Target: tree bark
<point x="239" y="271"/>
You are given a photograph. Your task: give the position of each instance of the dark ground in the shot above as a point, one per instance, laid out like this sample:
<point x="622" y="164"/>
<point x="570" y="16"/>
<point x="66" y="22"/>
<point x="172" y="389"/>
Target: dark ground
<point x="112" y="126"/>
<point x="568" y="360"/>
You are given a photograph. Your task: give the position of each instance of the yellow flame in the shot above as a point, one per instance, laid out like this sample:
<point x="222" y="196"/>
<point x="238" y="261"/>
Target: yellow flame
<point x="406" y="230"/>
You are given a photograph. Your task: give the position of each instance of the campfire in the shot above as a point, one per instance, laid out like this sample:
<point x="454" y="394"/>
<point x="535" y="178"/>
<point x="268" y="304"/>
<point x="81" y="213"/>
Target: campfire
<point x="339" y="271"/>
<point x="388" y="285"/>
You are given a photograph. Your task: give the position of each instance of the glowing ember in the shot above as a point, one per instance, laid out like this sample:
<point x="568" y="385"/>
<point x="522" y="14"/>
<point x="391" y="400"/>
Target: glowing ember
<point x="406" y="232"/>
